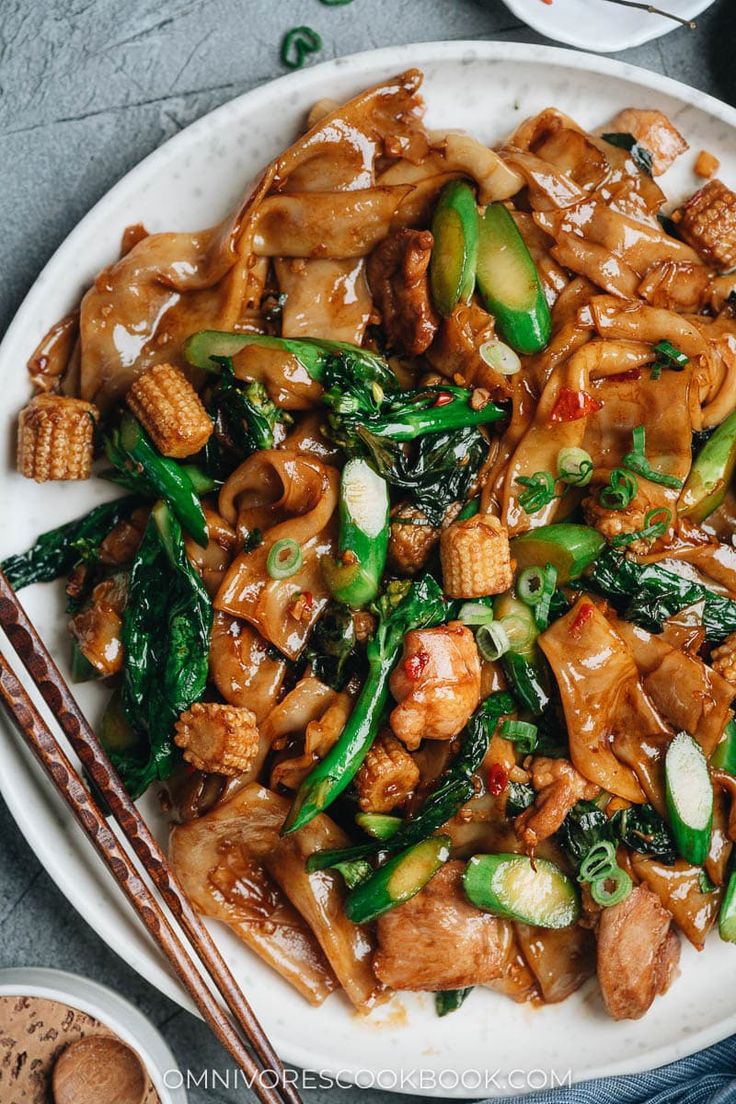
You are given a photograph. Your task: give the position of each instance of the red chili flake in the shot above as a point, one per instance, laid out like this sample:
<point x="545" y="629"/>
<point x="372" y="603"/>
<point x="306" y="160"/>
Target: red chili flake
<point x="443" y="399"/>
<point x="498" y="779"/>
<point x="308" y="599"/>
<point x="583" y="616"/>
<point x="571" y="405"/>
<point x="415" y="664"/>
<point x="622" y="377"/>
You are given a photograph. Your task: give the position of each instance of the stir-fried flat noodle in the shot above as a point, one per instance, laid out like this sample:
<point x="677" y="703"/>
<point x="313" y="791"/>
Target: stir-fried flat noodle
<point x="452" y="552"/>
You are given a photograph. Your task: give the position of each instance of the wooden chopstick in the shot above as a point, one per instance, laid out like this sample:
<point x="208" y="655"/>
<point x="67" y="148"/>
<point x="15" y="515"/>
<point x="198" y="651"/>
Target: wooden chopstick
<point x="52" y="686"/>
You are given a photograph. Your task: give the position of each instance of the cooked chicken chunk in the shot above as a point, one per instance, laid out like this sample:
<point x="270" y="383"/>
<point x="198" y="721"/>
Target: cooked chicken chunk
<point x="637" y="954"/>
<point x="438" y="940"/>
<point x="723" y="659"/>
<point x="397" y="275"/>
<point x="707" y="222"/>
<point x="654" y="131"/>
<point x="437" y="684"/>
<point x="559" y="786"/>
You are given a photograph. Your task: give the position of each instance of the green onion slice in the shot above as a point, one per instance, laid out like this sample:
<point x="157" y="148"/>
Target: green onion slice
<point x="475" y="613"/>
<point x="656" y="524"/>
<point x="575" y="467"/>
<point x="284" y="559"/>
<point x="620" y="490"/>
<point x="636" y="461"/>
<point x="521" y="733"/>
<point x="549" y="582"/>
<point x="492" y="641"/>
<point x="520" y="631"/>
<point x="605" y="894"/>
<point x="599" y="862"/>
<point x="500" y="357"/>
<point x="674" y="357"/>
<point x="539" y="491"/>
<point x="297" y="44"/>
<point x="530" y="584"/>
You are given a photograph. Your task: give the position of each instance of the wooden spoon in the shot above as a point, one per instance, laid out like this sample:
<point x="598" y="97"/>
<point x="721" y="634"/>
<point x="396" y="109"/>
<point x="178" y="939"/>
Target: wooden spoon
<point x="99" y="1070"/>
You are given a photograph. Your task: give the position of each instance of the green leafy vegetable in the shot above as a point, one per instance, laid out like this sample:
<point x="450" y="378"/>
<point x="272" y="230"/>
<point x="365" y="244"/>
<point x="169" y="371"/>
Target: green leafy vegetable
<point x="59" y="550"/>
<point x="648" y="594"/>
<point x="165" y="634"/>
<point x="640" y="155"/>
<point x="584" y="826"/>
<point x="441" y="469"/>
<point x="641" y="828"/>
<point x="332" y="647"/>
<point x="449" y="1000"/>
<point x="244" y="417"/>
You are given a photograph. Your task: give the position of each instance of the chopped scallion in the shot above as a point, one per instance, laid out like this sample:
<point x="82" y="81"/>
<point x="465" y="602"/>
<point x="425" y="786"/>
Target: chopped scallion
<point x="529" y="585"/>
<point x="522" y="733"/>
<point x="492" y="641"/>
<point x="284" y="559"/>
<point x="620" y="490"/>
<point x="475" y="613"/>
<point x="575" y="466"/>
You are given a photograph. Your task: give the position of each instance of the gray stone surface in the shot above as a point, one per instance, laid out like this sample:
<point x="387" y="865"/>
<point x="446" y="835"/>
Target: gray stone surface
<point x="87" y="88"/>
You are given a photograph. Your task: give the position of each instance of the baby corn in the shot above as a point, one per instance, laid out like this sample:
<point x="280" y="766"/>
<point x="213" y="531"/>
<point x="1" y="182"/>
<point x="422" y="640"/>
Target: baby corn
<point x="170" y="410"/>
<point x="56" y="438"/>
<point x="476" y="558"/>
<point x="220" y="739"/>
<point x="387" y="777"/>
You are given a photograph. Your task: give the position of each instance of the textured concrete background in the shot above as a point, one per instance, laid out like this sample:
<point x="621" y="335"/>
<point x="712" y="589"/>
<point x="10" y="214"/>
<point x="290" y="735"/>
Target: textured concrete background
<point x="88" y="88"/>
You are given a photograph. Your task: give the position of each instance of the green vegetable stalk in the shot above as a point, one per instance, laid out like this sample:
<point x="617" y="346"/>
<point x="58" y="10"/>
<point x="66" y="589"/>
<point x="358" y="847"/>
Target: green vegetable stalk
<point x="455" y="250"/>
<point x="524" y="665"/>
<point x="570" y="549"/>
<point x="166" y="632"/>
<point x="131" y="450"/>
<point x="710" y="475"/>
<point x="362" y="547"/>
<point x="397" y="880"/>
<point x="56" y="552"/>
<point x="509" y="283"/>
<point x="420" y="606"/>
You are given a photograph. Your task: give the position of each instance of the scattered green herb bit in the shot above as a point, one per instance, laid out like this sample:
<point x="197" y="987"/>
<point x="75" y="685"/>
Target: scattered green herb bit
<point x="656" y="524"/>
<point x="640" y="155"/>
<point x="521" y="733"/>
<point x="298" y="43"/>
<point x="450" y="999"/>
<point x="165" y="634"/>
<point x="599" y="868"/>
<point x="492" y="641"/>
<point x="704" y="883"/>
<point x="620" y="491"/>
<point x="636" y="461"/>
<point x="649" y="594"/>
<point x="354" y="872"/>
<point x="56" y="552"/>
<point x="540" y="491"/>
<point x="529" y="585"/>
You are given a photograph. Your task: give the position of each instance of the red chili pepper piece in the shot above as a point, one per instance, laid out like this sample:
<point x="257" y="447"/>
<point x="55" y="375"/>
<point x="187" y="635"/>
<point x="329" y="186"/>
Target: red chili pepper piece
<point x="571" y="405"/>
<point x="584" y="615"/>
<point x="443" y="399"/>
<point x="415" y="664"/>
<point x="498" y="779"/>
<point x="308" y="599"/>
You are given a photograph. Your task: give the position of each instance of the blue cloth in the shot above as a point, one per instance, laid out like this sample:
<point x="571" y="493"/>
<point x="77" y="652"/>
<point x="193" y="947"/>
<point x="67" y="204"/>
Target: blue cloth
<point x="708" y="1077"/>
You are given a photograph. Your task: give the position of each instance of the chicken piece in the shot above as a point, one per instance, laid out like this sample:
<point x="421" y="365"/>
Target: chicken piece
<point x="723" y="659"/>
<point x="436" y="683"/>
<point x="707" y="222"/>
<point x="170" y="410"/>
<point x="56" y="438"/>
<point x="476" y="557"/>
<point x="438" y="940"/>
<point x="559" y="786"/>
<point x="652" y="130"/>
<point x="222" y="739"/>
<point x="121" y="543"/>
<point x="397" y="275"/>
<point x="614" y="523"/>
<point x="411" y="540"/>
<point x="97" y="628"/>
<point x="388" y="776"/>
<point x="637" y="954"/>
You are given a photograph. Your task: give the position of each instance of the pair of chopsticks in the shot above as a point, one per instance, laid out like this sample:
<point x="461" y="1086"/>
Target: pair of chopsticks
<point x="193" y="939"/>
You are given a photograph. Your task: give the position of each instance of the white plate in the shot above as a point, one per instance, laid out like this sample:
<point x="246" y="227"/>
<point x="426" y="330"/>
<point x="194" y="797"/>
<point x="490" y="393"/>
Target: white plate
<point x="109" y="1008"/>
<point x="600" y="25"/>
<point x="190" y="182"/>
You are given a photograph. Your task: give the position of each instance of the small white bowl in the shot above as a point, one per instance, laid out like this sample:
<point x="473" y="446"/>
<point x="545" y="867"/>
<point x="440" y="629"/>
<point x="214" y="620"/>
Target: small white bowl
<point x="600" y="25"/>
<point x="117" y="1014"/>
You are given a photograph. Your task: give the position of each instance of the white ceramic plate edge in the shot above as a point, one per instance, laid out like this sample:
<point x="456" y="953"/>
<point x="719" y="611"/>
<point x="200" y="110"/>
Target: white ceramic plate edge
<point x="366" y="65"/>
<point x="652" y="27"/>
